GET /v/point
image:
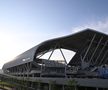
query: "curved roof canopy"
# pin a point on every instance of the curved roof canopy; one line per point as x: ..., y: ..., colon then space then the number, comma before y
x: 71, y: 42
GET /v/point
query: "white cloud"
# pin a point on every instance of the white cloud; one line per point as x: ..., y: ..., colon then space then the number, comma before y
x: 101, y: 26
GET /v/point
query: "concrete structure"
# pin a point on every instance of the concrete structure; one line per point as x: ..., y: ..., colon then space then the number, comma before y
x: 91, y: 49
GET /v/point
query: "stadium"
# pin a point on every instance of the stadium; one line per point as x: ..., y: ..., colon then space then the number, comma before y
x: 89, y: 65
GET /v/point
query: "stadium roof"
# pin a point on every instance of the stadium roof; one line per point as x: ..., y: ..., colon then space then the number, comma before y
x: 71, y: 42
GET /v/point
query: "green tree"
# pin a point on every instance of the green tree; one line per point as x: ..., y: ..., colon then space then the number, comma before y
x: 72, y: 84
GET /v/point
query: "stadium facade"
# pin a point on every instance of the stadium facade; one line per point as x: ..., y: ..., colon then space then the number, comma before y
x: 89, y: 66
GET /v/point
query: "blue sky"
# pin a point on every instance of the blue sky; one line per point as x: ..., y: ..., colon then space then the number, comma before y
x: 26, y: 23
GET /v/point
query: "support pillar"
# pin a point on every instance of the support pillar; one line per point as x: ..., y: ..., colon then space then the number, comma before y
x: 39, y: 86
x: 101, y: 51
x: 95, y: 50
x: 97, y: 88
x: 49, y: 86
x: 88, y: 48
x: 63, y: 88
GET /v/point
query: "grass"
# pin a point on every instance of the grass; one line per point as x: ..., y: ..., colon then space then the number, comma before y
x: 5, y: 84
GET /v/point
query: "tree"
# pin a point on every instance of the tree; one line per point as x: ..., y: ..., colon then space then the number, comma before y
x: 72, y: 84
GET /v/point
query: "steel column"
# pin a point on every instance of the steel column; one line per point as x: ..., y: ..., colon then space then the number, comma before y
x: 52, y: 52
x: 63, y: 87
x: 103, y: 57
x: 101, y: 51
x: 65, y: 61
x: 49, y: 86
x: 43, y: 53
x: 95, y: 49
x: 89, y: 47
x: 105, y: 61
x: 63, y: 56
